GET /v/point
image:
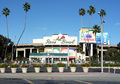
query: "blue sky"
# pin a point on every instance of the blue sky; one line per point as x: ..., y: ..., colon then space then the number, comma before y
x: 48, y: 17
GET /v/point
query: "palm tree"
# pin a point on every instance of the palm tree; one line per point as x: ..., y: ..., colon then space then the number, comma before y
x: 82, y: 13
x: 6, y: 12
x: 96, y: 29
x: 90, y: 12
x: 80, y: 50
x: 26, y: 9
x: 102, y: 13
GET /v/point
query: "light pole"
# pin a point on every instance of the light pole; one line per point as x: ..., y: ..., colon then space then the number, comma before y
x: 102, y: 45
x: 102, y: 14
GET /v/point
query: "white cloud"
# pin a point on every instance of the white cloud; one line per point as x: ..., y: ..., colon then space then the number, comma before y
x: 117, y: 24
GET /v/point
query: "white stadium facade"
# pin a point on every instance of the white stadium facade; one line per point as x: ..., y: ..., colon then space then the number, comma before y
x: 62, y: 47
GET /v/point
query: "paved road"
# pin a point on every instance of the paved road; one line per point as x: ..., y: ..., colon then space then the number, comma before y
x: 60, y: 78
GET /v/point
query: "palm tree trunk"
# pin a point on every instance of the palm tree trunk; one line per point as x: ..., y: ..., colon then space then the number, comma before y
x: 7, y: 37
x: 7, y: 28
x: 96, y: 48
x: 22, y: 31
x: 89, y: 20
x: 88, y: 49
x: 81, y: 20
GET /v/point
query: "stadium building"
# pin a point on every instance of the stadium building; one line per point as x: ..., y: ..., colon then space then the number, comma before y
x: 62, y: 47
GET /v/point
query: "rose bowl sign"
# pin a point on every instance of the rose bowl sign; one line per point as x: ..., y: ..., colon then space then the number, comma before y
x: 57, y: 39
x: 87, y: 35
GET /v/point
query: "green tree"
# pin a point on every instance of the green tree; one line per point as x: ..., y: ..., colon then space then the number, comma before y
x: 3, y: 43
x: 112, y: 54
x: 96, y: 29
x: 26, y: 9
x: 118, y: 45
x: 82, y: 13
x: 6, y: 12
x: 79, y: 49
x: 41, y: 48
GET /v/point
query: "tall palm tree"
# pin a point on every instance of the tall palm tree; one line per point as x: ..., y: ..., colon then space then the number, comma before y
x: 102, y: 13
x: 90, y: 12
x: 96, y: 29
x: 26, y: 9
x: 6, y: 12
x: 82, y: 13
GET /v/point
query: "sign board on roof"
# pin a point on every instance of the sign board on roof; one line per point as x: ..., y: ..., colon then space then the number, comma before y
x: 58, y: 39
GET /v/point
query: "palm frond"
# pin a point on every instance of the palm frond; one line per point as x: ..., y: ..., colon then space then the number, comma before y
x: 82, y: 11
x: 26, y: 7
x: 6, y: 11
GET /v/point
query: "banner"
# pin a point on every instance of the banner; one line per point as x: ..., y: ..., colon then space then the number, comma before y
x: 87, y: 35
x: 105, y: 38
x: 56, y: 50
x: 64, y: 50
x: 71, y: 51
x: 48, y: 50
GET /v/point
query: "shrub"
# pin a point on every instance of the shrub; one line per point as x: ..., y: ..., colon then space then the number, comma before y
x: 111, y: 65
x: 60, y: 64
x: 4, y: 65
x: 36, y: 65
x: 14, y: 65
x: 105, y: 65
x: 85, y: 65
x: 95, y: 65
x: 24, y: 65
x: 48, y: 65
x: 73, y: 65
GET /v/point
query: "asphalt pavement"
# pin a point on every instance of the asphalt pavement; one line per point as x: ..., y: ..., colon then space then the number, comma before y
x: 94, y: 76
x: 60, y: 78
